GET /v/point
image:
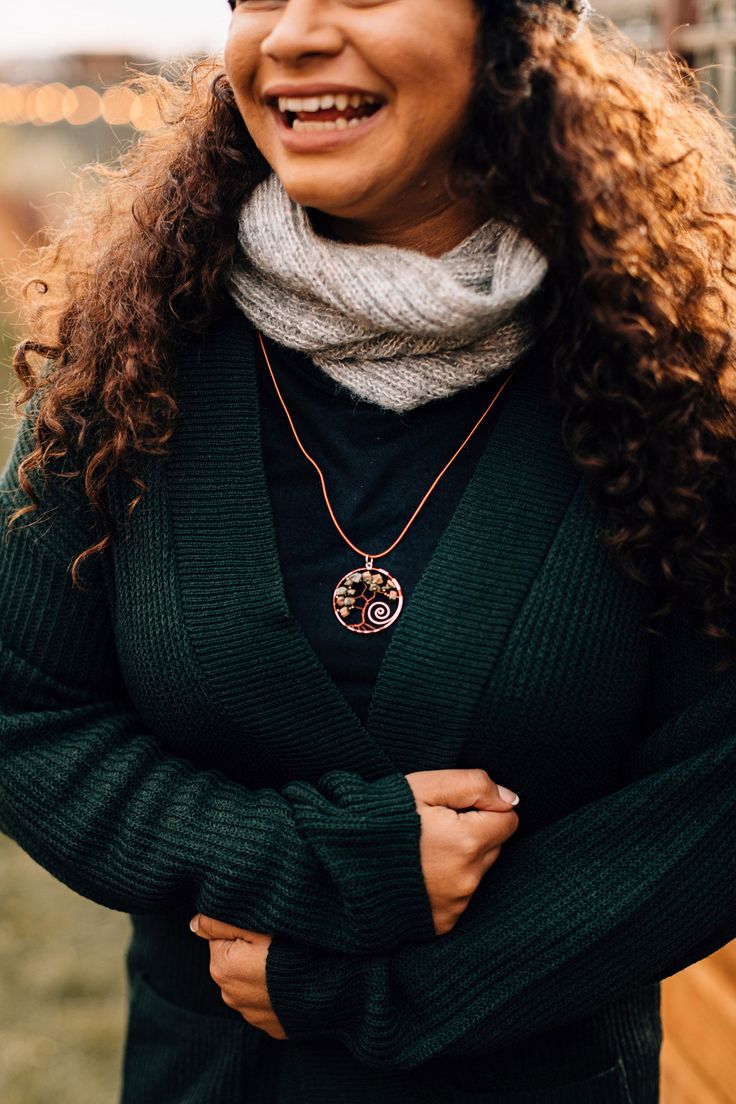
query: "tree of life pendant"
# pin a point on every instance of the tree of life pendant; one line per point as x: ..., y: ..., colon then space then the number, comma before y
x: 367, y: 600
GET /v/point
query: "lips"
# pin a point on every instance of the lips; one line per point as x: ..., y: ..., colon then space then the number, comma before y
x: 325, y: 110
x: 324, y: 129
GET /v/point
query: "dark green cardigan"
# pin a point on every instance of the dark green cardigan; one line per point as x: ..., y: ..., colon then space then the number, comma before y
x: 170, y: 743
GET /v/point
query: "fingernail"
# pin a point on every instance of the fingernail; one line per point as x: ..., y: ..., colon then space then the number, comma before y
x: 194, y: 924
x: 508, y: 795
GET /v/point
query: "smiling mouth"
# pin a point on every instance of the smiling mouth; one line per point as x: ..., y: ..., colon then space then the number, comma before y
x: 329, y: 111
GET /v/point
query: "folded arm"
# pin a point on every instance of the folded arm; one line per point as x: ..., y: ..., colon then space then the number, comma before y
x: 93, y: 797
x: 622, y: 892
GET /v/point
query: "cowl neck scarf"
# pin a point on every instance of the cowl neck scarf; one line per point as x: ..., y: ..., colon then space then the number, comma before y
x: 391, y: 325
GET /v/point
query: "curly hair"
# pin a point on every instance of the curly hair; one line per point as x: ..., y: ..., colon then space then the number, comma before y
x: 613, y: 163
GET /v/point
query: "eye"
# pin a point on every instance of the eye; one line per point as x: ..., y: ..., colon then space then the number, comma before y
x: 257, y: 5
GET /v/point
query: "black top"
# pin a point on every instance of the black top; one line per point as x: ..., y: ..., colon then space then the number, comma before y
x: 377, y: 465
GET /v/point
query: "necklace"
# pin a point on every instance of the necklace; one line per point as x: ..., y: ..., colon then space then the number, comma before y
x: 368, y: 599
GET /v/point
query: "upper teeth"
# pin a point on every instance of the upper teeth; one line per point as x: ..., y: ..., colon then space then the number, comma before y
x: 341, y: 101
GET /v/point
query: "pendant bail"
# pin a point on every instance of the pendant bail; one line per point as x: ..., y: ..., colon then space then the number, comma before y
x: 369, y: 562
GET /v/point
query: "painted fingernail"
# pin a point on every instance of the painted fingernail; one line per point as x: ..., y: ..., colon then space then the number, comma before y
x: 508, y: 795
x: 194, y: 924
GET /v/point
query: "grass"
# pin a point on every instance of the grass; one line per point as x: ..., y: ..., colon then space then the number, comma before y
x: 62, y: 989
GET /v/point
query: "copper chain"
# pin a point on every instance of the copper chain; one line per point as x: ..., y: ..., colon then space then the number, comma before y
x: 314, y: 463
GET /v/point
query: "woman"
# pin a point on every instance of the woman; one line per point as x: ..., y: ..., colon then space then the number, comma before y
x: 390, y: 236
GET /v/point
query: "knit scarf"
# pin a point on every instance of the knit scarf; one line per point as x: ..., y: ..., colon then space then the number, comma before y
x: 392, y: 326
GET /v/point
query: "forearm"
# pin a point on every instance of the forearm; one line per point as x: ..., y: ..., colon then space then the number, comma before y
x: 94, y: 800
x: 623, y: 892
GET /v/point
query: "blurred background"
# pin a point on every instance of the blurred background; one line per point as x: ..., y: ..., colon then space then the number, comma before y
x: 62, y: 994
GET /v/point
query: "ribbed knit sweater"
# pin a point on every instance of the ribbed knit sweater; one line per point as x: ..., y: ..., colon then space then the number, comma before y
x: 171, y: 743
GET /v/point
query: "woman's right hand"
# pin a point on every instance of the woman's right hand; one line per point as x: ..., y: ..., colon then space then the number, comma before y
x: 458, y: 847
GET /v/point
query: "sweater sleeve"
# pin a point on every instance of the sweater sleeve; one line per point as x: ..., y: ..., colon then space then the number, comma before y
x: 94, y: 798
x: 622, y: 892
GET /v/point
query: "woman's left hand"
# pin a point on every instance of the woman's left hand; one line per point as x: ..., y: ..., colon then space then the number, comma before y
x: 238, y: 966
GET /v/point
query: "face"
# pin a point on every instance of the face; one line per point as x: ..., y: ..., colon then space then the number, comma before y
x: 357, y: 105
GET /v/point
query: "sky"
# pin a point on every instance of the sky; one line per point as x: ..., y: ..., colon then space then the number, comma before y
x: 156, y: 28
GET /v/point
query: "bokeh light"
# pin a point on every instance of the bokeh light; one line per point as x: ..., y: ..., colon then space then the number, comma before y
x: 117, y: 105
x: 49, y: 104
x: 81, y: 105
x: 46, y: 104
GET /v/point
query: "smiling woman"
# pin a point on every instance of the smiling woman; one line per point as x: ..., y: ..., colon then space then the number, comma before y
x: 396, y: 56
x: 450, y: 286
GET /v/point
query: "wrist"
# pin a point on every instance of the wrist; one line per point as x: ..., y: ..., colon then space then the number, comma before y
x: 366, y: 835
x: 310, y: 990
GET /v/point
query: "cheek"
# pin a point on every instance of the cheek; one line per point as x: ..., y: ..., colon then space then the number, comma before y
x: 432, y: 88
x: 241, y: 57
x: 432, y: 125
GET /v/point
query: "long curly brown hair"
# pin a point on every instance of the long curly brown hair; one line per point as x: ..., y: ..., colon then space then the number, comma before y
x: 616, y: 167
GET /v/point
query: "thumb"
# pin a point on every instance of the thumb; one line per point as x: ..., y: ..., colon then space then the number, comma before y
x: 208, y: 928
x: 461, y: 788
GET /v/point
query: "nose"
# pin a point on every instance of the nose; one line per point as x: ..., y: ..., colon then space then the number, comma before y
x: 304, y: 29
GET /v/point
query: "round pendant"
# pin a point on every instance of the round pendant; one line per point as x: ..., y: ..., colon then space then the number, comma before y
x: 367, y: 600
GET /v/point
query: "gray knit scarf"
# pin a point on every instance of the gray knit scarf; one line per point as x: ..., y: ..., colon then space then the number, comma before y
x: 393, y: 326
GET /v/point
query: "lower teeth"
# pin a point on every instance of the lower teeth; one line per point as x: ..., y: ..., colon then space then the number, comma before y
x: 336, y: 124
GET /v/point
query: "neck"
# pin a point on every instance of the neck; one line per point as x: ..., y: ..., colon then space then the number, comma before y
x: 432, y: 233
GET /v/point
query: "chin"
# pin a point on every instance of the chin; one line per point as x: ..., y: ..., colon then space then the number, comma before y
x: 321, y: 191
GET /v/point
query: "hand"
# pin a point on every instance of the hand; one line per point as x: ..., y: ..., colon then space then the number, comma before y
x: 238, y: 967
x: 457, y: 848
